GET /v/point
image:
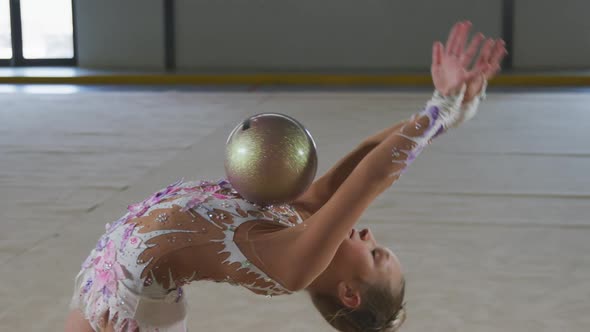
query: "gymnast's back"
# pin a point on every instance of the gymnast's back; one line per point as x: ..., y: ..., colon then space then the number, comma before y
x: 188, y: 231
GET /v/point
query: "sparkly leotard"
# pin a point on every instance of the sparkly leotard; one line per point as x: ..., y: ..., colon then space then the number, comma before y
x: 186, y: 232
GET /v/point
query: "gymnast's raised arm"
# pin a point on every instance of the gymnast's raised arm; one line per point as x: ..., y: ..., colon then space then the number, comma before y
x: 488, y: 62
x: 307, y: 249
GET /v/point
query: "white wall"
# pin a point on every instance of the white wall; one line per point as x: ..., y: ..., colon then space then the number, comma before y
x: 320, y: 34
x: 552, y: 34
x: 120, y: 33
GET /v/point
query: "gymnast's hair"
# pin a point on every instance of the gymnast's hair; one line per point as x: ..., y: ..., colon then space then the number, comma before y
x: 381, y: 310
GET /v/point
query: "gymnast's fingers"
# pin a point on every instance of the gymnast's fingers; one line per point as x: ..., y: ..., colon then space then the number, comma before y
x: 462, y: 38
x: 467, y: 57
x: 452, y: 40
x: 437, y: 52
x: 485, y: 53
x: 499, y: 52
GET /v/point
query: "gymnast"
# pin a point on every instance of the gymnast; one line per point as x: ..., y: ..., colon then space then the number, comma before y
x: 134, y: 279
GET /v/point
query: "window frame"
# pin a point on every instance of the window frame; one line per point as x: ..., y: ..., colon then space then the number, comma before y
x: 18, y: 60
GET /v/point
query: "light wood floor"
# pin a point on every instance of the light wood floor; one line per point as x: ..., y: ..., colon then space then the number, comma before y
x: 492, y: 222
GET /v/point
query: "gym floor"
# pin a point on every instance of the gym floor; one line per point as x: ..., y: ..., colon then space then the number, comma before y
x: 491, y: 222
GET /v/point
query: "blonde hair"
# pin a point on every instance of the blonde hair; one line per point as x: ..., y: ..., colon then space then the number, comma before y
x: 381, y: 310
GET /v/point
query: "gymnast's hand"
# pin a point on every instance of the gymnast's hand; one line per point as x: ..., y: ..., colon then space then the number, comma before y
x: 488, y: 63
x: 450, y: 63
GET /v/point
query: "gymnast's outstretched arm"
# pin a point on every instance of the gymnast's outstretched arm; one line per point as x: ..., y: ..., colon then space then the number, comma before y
x: 307, y: 249
x: 299, y: 254
x: 323, y: 188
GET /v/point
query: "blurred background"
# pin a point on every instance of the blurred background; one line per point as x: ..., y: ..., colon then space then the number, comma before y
x: 344, y: 36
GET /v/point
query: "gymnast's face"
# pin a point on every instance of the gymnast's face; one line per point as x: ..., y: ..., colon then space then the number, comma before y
x: 361, y: 258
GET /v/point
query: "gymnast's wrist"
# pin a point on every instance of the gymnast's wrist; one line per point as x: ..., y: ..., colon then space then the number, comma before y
x: 449, y: 92
x: 448, y: 101
x: 476, y: 97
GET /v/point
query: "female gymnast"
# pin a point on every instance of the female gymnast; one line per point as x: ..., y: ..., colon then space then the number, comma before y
x: 133, y: 280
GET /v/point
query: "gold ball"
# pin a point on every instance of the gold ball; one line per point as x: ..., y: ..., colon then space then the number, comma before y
x: 270, y: 158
